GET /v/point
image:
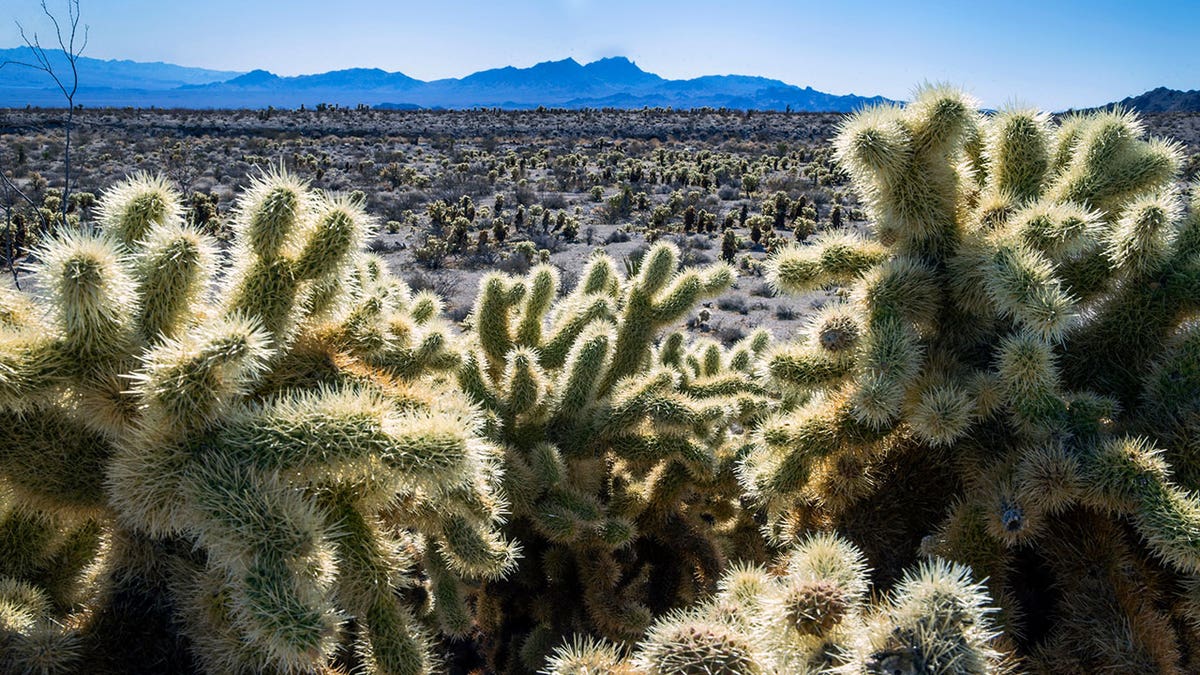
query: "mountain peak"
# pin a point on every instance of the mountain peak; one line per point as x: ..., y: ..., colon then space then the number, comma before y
x: 566, y: 64
x: 616, y: 60
x: 620, y: 70
x: 1161, y: 100
x: 613, y: 63
x: 254, y: 78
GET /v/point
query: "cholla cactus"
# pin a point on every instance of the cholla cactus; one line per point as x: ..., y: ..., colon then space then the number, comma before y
x: 280, y: 459
x: 813, y: 618
x: 268, y: 462
x: 618, y: 452
x: 1016, y: 352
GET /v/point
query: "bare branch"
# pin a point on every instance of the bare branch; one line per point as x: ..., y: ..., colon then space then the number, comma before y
x: 66, y: 44
x: 10, y: 62
x: 43, y: 61
x: 54, y: 20
x: 86, y: 34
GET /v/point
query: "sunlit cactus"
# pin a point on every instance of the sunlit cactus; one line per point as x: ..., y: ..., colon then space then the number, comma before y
x: 998, y: 359
x: 813, y: 615
x: 979, y: 454
x: 618, y: 449
x: 588, y: 657
x: 131, y: 208
x: 30, y: 641
x: 264, y: 461
x: 287, y: 237
x: 177, y: 263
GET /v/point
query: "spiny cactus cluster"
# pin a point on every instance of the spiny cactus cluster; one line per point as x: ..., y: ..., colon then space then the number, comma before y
x: 618, y: 460
x: 811, y: 617
x: 274, y: 457
x: 1017, y: 351
x: 254, y: 454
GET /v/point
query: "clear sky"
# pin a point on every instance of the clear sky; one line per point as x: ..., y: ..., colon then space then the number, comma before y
x: 1053, y: 54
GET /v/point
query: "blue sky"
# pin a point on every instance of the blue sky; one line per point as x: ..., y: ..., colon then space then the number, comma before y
x: 1052, y: 54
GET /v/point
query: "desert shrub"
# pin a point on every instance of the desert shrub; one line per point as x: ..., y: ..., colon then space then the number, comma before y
x: 441, y: 285
x: 691, y: 257
x: 409, y: 200
x: 617, y: 236
x: 379, y: 245
x: 728, y: 333
x: 548, y: 242
x: 762, y: 290
x: 554, y: 200
x: 732, y: 303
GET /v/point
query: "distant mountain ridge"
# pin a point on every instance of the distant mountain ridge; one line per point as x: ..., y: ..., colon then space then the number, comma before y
x: 97, y: 73
x: 613, y: 82
x: 1161, y: 100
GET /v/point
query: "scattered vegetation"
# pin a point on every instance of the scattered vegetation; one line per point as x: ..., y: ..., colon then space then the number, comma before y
x: 234, y: 440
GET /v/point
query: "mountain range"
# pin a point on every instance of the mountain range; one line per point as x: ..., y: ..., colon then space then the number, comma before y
x: 613, y: 82
x: 1162, y: 100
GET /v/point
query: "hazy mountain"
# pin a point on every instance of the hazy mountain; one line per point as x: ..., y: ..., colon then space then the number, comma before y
x: 1162, y: 100
x: 354, y: 79
x: 96, y: 73
x: 610, y: 82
